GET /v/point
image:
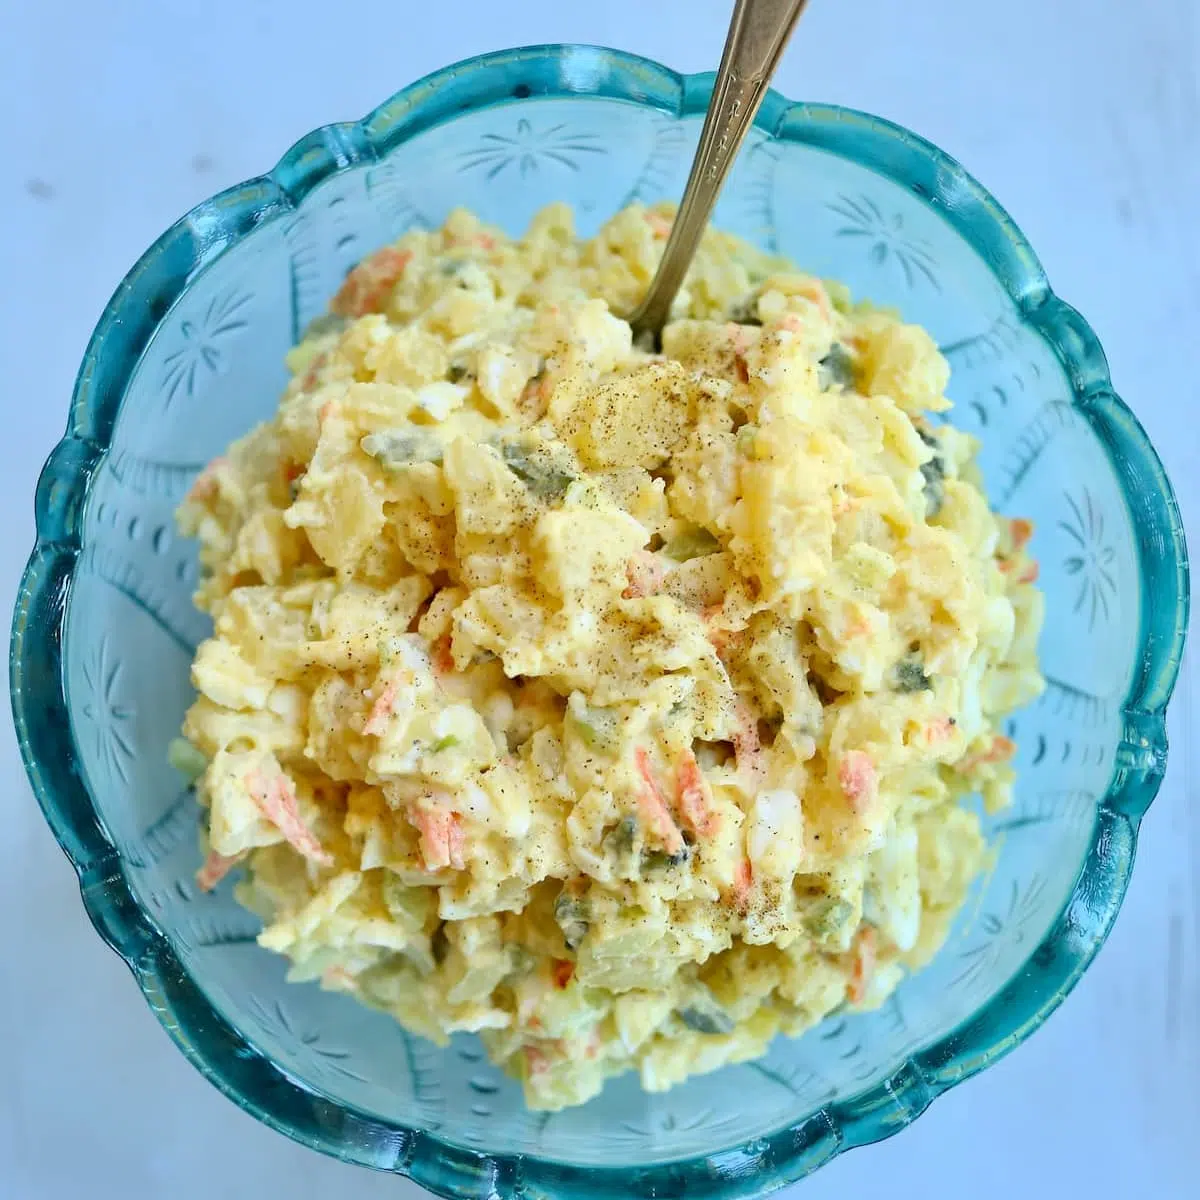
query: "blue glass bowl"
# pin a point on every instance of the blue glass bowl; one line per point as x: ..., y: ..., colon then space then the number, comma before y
x: 189, y: 353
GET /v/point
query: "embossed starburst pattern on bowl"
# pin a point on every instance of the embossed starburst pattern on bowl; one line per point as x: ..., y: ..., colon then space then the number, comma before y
x: 529, y: 147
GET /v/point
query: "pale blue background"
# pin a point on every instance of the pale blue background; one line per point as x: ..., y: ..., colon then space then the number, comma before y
x: 1083, y: 117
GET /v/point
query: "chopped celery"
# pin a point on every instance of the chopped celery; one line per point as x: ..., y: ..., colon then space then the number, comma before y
x: 911, y: 677
x: 571, y: 913
x: 543, y: 479
x: 836, y: 369
x: 693, y: 543
x: 401, y: 448
x: 705, y: 1017
x: 186, y: 759
x: 934, y: 472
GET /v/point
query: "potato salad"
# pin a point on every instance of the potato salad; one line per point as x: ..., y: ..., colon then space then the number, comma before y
x: 618, y: 707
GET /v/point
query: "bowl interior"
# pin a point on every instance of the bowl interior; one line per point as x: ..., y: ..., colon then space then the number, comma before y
x: 215, y: 366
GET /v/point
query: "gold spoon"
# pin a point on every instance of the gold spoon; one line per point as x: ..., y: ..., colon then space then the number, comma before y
x: 758, y: 32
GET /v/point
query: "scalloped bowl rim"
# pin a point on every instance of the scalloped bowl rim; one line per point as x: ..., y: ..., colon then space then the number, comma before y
x: 204, y: 1036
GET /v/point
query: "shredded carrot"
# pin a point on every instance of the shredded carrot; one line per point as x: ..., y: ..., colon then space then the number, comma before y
x: 456, y: 842
x: 645, y: 574
x: 859, y: 627
x: 1000, y: 750
x: 485, y: 241
x: 724, y: 640
x: 442, y: 839
x: 815, y: 291
x: 740, y: 339
x: 536, y: 394
x: 337, y: 977
x: 743, y: 881
x: 443, y: 658
x: 1021, y: 531
x: 381, y: 710
x: 747, y: 749
x: 276, y: 800
x: 216, y: 867
x: 939, y: 730
x: 864, y: 965
x: 659, y: 224
x: 310, y: 376
x: 205, y: 485
x: 654, y: 808
x: 367, y: 287
x: 693, y: 798
x: 858, y: 779
x: 562, y: 971
x: 538, y: 1061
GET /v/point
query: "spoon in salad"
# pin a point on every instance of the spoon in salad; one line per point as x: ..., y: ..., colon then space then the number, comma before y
x: 758, y: 32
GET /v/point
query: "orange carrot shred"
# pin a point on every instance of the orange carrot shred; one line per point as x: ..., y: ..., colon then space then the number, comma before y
x: 276, y: 800
x: 693, y: 799
x: 367, y: 287
x: 654, y: 808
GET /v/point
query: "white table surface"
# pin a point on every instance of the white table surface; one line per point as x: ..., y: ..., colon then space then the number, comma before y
x: 1082, y: 116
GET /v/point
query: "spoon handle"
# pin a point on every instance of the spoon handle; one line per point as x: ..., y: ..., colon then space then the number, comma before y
x: 758, y: 32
